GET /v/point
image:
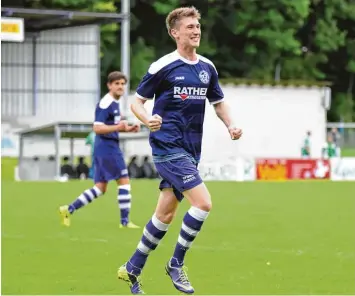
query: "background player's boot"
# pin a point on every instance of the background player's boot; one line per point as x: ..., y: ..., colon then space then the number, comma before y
x: 129, y: 225
x: 179, y: 277
x: 64, y: 215
x: 134, y: 282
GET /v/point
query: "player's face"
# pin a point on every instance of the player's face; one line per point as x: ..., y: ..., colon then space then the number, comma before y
x: 117, y: 88
x: 188, y: 33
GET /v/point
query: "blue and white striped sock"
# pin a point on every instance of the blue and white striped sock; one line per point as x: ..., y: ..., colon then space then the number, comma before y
x: 191, y: 226
x: 85, y: 198
x: 153, y: 233
x: 124, y: 202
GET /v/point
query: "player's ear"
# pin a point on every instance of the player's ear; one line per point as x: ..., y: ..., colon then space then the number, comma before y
x: 174, y: 33
x: 108, y: 85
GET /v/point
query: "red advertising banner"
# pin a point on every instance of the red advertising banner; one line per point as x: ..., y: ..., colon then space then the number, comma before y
x: 292, y: 169
x: 308, y: 169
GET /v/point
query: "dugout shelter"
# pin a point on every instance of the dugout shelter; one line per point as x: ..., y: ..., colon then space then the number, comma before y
x: 44, y: 169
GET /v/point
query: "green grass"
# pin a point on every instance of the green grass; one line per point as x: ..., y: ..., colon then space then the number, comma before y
x: 348, y: 152
x: 304, y: 229
x: 8, y: 165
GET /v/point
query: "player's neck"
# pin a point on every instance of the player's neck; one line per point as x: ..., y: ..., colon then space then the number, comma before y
x: 187, y: 53
x: 113, y: 96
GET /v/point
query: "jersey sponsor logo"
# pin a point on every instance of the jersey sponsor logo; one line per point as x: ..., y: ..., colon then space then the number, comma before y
x: 204, y: 77
x: 180, y: 78
x: 190, y: 92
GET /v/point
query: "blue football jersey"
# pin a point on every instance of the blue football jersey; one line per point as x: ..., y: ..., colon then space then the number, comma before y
x: 107, y: 112
x: 180, y: 88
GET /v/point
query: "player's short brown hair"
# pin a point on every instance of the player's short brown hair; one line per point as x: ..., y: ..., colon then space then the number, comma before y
x: 177, y: 14
x: 116, y: 75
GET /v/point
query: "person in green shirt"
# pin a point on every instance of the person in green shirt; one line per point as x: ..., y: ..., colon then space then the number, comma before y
x: 90, y: 140
x: 306, y: 148
x: 330, y: 149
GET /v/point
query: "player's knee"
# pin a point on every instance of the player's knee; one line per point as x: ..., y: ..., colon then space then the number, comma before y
x: 205, y: 206
x: 101, y: 187
x: 103, y: 190
x: 165, y: 217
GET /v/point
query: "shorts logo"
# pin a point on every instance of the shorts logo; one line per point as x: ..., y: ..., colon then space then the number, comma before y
x: 204, y: 77
x: 188, y: 178
x: 124, y: 172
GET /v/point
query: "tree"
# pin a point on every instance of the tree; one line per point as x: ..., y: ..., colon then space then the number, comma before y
x: 310, y: 40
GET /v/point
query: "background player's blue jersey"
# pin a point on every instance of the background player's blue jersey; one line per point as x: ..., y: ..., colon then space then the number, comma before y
x: 107, y: 112
x: 180, y: 88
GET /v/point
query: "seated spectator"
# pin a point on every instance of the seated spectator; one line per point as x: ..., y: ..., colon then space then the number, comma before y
x: 82, y: 169
x: 134, y: 170
x: 147, y: 169
x: 67, y: 169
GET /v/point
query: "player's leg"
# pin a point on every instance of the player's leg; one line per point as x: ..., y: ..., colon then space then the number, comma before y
x: 102, y: 175
x: 124, y: 202
x: 88, y: 196
x: 201, y: 205
x: 196, y: 192
x: 153, y: 233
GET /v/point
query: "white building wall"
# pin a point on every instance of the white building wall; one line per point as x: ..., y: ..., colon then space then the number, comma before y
x: 274, y: 122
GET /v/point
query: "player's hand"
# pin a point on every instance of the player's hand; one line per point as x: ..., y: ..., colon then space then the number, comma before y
x: 235, y: 133
x: 155, y: 122
x: 122, y: 126
x: 133, y: 128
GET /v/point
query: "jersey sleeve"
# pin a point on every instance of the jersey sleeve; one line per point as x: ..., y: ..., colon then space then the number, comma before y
x: 150, y: 83
x: 214, y: 93
x: 101, y: 115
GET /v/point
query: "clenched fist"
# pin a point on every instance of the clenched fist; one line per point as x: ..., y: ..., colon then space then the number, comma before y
x: 155, y: 122
x: 235, y: 133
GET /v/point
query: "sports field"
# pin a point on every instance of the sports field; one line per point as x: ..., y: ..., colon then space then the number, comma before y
x: 261, y: 238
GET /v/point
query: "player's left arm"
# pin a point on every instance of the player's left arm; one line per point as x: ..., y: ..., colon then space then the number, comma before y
x: 223, y: 113
x: 216, y: 98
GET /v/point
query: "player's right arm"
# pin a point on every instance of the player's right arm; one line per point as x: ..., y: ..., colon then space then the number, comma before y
x: 102, y: 114
x: 102, y: 129
x: 146, y: 91
x: 152, y: 122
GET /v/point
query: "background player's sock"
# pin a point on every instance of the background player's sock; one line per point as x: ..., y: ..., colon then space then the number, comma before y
x: 124, y: 202
x: 191, y: 225
x: 153, y: 232
x: 85, y: 198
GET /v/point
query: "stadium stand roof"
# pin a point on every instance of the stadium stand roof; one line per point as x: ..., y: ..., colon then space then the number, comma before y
x: 72, y: 130
x: 47, y: 19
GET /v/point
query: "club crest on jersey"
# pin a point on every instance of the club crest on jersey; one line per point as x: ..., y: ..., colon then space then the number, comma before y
x: 190, y: 92
x: 204, y: 77
x: 117, y: 119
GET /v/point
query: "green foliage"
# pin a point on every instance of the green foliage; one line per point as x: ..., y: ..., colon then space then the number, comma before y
x: 286, y: 83
x: 311, y: 40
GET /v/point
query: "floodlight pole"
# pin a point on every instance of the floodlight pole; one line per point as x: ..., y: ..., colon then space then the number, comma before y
x: 125, y: 47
